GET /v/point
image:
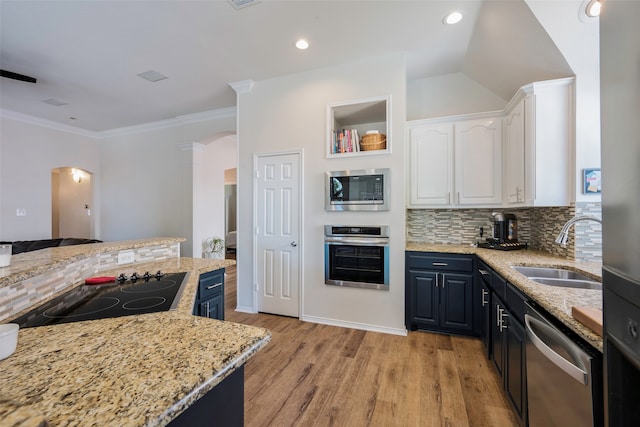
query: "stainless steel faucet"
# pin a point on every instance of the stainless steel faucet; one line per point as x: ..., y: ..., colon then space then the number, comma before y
x: 563, y: 237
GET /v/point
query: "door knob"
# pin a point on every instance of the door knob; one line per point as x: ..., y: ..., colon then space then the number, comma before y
x: 294, y: 243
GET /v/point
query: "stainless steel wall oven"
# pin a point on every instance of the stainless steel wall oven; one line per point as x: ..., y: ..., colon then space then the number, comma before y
x: 356, y: 256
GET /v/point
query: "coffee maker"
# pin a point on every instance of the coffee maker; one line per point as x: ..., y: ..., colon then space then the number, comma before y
x: 505, y: 228
x: 505, y: 233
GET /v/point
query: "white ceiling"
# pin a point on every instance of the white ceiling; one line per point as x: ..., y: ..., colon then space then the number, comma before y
x: 88, y: 53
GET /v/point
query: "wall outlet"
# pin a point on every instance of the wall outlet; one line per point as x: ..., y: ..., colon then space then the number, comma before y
x: 126, y: 257
x: 21, y: 212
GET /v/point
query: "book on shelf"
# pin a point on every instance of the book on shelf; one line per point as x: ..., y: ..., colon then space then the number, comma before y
x: 345, y: 141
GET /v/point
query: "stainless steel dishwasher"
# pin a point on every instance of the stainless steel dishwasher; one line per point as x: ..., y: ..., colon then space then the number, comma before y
x: 564, y: 381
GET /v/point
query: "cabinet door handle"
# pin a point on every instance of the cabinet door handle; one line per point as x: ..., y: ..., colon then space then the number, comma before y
x: 449, y: 198
x: 484, y: 294
x: 458, y: 202
x: 503, y: 325
x: 214, y: 286
x: 498, y: 320
x: 437, y: 274
x: 207, y: 309
x: 439, y: 264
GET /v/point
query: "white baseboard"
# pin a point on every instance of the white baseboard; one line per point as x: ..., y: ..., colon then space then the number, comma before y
x: 243, y: 309
x: 354, y: 325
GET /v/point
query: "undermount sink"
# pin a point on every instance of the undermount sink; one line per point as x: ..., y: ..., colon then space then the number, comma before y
x: 558, y: 277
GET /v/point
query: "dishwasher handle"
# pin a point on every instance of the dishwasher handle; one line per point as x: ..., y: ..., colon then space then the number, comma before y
x: 574, y: 371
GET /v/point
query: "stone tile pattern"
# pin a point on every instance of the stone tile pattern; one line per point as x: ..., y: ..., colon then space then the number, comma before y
x: 538, y: 226
x: 548, y: 222
x: 22, y: 294
x: 459, y: 226
x: 588, y: 234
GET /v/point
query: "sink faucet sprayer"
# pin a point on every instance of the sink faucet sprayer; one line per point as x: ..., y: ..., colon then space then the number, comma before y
x: 564, y: 233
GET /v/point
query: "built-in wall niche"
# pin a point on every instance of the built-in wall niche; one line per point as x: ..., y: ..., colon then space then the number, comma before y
x: 359, y: 127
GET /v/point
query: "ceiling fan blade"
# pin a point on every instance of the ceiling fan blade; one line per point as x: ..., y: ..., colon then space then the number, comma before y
x: 16, y: 76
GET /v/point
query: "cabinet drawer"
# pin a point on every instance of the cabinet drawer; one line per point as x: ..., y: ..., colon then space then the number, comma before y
x: 439, y: 262
x: 211, y: 284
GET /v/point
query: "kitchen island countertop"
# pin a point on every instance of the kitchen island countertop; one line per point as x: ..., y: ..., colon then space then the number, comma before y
x: 126, y: 371
x: 556, y: 300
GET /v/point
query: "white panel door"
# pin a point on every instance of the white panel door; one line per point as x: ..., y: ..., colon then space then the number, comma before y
x: 277, y: 234
x: 431, y: 165
x: 478, y: 152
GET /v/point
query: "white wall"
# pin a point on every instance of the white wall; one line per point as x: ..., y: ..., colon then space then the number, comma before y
x: 208, y: 189
x: 579, y: 42
x: 289, y: 113
x: 148, y: 180
x: 449, y: 95
x: 28, y: 153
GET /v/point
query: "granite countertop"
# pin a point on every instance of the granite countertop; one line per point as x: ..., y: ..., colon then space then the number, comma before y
x: 556, y: 300
x: 132, y: 370
x: 30, y: 264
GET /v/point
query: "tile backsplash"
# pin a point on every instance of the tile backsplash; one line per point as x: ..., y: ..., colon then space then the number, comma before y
x: 537, y: 226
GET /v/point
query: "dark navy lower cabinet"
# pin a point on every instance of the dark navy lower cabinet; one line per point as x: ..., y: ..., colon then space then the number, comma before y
x: 508, y: 343
x: 210, y: 295
x: 439, y: 292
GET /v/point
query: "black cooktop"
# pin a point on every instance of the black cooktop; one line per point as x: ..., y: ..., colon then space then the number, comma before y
x: 115, y: 299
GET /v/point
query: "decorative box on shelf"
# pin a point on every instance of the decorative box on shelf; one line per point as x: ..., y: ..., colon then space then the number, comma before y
x: 358, y: 127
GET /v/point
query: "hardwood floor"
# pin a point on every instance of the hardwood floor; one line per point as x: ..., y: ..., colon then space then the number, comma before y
x: 317, y: 375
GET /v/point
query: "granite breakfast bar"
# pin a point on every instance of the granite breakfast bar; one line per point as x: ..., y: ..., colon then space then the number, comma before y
x: 142, y: 370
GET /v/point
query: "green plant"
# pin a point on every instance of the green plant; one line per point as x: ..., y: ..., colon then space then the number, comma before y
x: 213, y: 245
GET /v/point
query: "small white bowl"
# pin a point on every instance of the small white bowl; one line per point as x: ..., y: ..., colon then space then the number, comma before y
x: 8, y: 339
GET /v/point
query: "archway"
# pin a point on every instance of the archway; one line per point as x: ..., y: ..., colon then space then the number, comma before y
x: 71, y: 203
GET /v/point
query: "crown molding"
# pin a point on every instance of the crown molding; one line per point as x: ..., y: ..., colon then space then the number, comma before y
x: 31, y: 120
x: 242, y: 86
x: 221, y: 113
x: 169, y: 123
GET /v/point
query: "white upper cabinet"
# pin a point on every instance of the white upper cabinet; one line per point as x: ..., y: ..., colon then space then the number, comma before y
x: 478, y: 161
x: 520, y: 157
x: 431, y: 164
x: 455, y: 163
x: 514, y: 155
x: 549, y: 143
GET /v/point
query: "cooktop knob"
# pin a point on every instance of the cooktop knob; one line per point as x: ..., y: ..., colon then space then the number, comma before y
x: 159, y: 274
x: 146, y: 276
x: 122, y: 278
x: 134, y: 277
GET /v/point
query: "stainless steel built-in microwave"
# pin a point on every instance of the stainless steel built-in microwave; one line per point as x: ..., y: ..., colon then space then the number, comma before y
x: 357, y: 190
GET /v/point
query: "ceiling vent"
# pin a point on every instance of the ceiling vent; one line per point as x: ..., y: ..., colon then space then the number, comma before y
x: 240, y: 4
x: 55, y: 102
x: 152, y: 76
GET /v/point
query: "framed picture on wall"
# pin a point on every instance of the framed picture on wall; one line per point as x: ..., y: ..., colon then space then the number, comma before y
x: 592, y: 182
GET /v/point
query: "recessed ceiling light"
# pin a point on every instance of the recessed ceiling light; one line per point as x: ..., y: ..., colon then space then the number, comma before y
x: 593, y: 8
x: 452, y: 18
x: 152, y: 76
x: 302, y: 44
